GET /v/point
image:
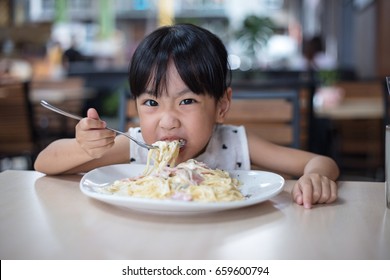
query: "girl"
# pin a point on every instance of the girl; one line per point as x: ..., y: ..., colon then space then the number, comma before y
x: 180, y: 79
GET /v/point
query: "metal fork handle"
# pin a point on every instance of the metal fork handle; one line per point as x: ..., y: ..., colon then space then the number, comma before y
x: 67, y: 114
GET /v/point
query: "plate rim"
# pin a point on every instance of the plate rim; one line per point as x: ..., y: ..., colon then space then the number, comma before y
x: 192, y: 207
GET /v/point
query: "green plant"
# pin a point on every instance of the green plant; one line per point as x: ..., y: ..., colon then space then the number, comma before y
x: 254, y: 33
x: 328, y: 77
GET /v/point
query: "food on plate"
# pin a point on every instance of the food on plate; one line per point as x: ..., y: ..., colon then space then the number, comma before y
x: 188, y: 181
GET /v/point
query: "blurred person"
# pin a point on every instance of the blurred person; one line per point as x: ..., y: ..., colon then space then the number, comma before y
x: 71, y: 55
x: 315, y: 55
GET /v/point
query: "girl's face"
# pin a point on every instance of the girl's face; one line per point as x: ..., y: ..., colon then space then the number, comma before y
x: 180, y: 114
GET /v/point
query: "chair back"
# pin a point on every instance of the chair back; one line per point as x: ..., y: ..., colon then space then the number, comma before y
x: 16, y: 121
x: 69, y: 94
x: 358, y: 134
x: 273, y: 114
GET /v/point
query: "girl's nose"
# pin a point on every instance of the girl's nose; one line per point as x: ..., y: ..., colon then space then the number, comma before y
x: 169, y: 121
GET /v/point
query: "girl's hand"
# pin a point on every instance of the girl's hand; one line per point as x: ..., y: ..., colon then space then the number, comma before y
x: 314, y: 188
x: 92, y: 136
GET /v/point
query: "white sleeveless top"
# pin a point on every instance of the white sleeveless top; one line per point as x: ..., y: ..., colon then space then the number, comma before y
x: 226, y: 150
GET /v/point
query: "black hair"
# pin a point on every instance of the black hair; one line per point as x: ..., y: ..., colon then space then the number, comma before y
x: 199, y: 56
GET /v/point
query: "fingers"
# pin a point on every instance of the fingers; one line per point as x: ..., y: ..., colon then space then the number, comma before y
x: 314, y: 188
x: 333, y: 192
x: 303, y: 192
x: 92, y: 121
x: 326, y: 188
x: 297, y: 194
x: 91, y: 139
x: 93, y: 114
x: 92, y: 135
x: 97, y: 148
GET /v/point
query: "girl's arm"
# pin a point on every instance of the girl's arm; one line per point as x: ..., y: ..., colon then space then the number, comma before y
x: 317, y: 174
x: 93, y: 146
x: 65, y: 156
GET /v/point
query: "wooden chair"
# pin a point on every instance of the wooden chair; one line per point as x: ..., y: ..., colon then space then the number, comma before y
x: 16, y: 122
x: 359, y: 138
x: 68, y: 94
x: 273, y: 114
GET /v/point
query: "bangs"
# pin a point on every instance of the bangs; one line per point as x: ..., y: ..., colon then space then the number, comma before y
x: 199, y: 57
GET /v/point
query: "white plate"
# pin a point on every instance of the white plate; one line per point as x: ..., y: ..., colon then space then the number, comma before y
x: 258, y: 185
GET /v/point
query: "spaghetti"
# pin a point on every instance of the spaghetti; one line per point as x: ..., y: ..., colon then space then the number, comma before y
x: 188, y: 181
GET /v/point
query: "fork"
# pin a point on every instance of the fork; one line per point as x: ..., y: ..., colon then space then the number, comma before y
x: 67, y: 114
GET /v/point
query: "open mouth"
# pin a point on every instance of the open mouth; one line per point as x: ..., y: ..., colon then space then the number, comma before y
x: 182, y: 142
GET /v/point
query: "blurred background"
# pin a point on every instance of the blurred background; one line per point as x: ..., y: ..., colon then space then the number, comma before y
x: 75, y: 54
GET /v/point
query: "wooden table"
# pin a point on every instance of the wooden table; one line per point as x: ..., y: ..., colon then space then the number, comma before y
x: 44, y: 217
x: 352, y: 109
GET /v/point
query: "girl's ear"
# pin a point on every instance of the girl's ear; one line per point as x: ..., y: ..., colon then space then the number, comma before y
x: 223, y: 105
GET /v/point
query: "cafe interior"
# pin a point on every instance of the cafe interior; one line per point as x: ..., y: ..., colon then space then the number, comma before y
x: 310, y: 74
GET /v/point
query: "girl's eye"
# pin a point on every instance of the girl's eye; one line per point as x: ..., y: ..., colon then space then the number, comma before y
x: 150, y: 102
x: 187, y: 101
